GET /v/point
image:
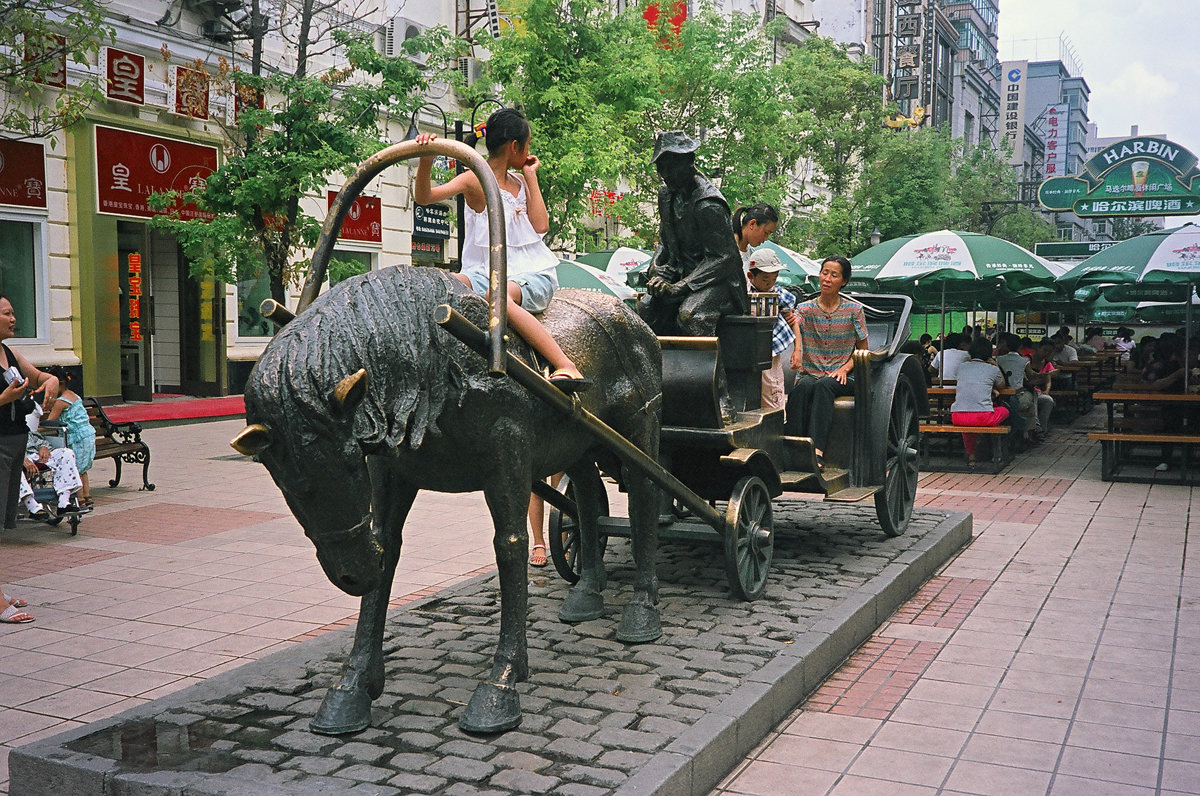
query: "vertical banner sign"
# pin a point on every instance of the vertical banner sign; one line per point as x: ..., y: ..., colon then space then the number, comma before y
x: 1013, y: 114
x: 189, y: 93
x: 131, y: 166
x: 1055, y: 135
x: 908, y: 58
x: 135, y: 297
x: 125, y: 75
x: 22, y: 174
x: 52, y: 52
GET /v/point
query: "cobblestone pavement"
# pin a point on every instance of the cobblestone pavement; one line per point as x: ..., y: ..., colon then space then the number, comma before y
x: 596, y: 711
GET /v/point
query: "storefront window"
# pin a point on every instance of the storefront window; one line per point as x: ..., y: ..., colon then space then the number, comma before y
x: 251, y: 293
x: 19, y: 244
x: 344, y: 264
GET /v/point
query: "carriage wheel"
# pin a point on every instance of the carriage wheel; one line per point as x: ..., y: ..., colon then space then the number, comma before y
x: 563, y: 531
x: 749, y: 538
x: 894, y: 502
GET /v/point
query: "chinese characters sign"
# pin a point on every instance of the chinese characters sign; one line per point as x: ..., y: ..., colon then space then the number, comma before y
x: 135, y: 297
x: 1013, y: 108
x: 911, y: 52
x: 125, y: 75
x: 1055, y: 135
x: 189, y: 92
x: 22, y: 174
x: 1137, y: 176
x: 131, y: 166
x: 48, y: 60
x: 363, y: 221
x: 431, y: 221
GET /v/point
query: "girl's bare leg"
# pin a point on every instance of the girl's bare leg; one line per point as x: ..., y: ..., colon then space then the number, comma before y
x: 529, y: 327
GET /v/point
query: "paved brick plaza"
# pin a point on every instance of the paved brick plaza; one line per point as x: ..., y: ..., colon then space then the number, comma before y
x: 1054, y: 653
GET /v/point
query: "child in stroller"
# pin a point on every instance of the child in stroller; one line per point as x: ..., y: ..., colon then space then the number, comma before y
x: 47, y: 451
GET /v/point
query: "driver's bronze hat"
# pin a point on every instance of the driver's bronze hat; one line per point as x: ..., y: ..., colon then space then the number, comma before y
x: 675, y: 141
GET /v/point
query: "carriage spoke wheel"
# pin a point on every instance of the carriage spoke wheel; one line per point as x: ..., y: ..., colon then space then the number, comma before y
x: 749, y: 538
x: 894, y: 502
x: 563, y: 534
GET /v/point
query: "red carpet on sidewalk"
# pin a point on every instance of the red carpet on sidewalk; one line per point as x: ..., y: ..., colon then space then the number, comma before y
x: 178, y: 409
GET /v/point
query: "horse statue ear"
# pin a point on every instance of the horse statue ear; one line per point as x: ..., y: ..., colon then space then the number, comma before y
x: 252, y: 439
x: 349, y: 392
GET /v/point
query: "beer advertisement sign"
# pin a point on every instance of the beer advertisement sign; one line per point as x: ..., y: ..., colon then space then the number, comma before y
x: 1140, y: 176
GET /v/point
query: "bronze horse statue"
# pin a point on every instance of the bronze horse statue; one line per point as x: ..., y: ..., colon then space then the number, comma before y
x: 362, y: 400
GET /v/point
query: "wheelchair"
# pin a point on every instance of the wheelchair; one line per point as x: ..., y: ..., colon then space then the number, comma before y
x: 42, y: 482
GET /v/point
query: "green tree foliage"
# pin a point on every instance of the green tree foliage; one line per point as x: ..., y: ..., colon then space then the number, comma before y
x: 309, y: 129
x: 980, y: 194
x: 39, y: 37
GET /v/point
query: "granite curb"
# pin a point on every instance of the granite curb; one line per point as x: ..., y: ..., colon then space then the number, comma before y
x: 754, y: 667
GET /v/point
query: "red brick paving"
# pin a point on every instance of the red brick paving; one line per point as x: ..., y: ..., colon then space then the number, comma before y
x: 27, y: 559
x: 169, y: 523
x: 942, y: 602
x: 876, y: 677
x: 991, y: 509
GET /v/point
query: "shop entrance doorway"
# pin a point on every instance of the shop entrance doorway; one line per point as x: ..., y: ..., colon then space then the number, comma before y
x: 171, y: 323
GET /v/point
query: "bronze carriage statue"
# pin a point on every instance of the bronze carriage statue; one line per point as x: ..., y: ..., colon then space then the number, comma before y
x: 399, y: 380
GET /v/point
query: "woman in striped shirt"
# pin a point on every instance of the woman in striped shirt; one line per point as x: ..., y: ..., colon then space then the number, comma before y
x: 830, y: 329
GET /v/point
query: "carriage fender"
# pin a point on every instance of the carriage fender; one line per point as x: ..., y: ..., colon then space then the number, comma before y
x: 754, y: 461
x: 883, y: 387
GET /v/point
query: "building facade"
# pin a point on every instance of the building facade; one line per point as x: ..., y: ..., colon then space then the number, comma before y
x: 975, y: 112
x: 100, y: 291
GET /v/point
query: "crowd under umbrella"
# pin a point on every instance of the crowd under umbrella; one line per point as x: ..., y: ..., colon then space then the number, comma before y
x: 616, y: 262
x: 969, y: 266
x: 1161, y: 257
x: 572, y: 273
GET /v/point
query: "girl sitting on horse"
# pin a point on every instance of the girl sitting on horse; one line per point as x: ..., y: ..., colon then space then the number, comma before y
x: 531, y: 264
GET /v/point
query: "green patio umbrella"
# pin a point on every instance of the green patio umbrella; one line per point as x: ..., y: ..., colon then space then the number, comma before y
x: 1162, y: 256
x: 615, y: 262
x: 585, y: 277
x: 799, y: 271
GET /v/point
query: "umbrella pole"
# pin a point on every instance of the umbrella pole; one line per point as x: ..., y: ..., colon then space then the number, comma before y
x: 1187, y: 338
x: 942, y: 345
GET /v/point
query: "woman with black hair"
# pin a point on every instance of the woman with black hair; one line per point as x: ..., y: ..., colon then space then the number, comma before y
x: 532, y: 277
x: 21, y: 381
x: 979, y: 384
x: 752, y: 226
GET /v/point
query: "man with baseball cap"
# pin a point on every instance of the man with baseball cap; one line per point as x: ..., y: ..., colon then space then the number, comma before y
x: 696, y: 276
x: 763, y: 273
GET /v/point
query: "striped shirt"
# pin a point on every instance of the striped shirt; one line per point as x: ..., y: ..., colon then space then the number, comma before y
x: 828, y: 338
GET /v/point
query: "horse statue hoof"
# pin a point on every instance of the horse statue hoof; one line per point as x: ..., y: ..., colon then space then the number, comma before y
x: 639, y: 624
x: 493, y: 708
x: 581, y: 606
x: 344, y: 710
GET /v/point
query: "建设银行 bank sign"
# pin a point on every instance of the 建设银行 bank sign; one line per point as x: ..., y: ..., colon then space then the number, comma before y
x: 1139, y: 176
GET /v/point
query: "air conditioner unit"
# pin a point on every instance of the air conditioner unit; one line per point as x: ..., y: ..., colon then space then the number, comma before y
x: 471, y: 69
x: 400, y: 30
x: 216, y: 30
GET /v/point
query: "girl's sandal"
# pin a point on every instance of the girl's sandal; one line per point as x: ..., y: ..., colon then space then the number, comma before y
x: 537, y: 556
x: 13, y: 616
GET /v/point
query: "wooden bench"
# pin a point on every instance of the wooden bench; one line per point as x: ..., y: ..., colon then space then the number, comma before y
x: 1001, y: 450
x: 121, y: 442
x: 1116, y: 450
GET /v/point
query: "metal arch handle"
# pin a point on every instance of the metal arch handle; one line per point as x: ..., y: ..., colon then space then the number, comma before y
x: 498, y: 250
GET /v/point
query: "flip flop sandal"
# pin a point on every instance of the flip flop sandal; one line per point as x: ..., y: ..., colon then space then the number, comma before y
x: 541, y: 563
x: 563, y: 380
x: 17, y: 603
x: 12, y: 616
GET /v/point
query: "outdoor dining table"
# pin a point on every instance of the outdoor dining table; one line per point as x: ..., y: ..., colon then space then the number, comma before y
x: 1140, y: 422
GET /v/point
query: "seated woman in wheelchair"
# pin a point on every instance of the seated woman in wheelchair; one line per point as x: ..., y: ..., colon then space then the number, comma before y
x: 54, y: 455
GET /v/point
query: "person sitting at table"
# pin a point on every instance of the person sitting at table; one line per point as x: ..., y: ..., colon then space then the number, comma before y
x: 1038, y: 375
x: 1023, y: 403
x: 1165, y: 371
x: 944, y: 366
x: 1123, y: 342
x: 1063, y: 353
x: 979, y: 384
x: 1143, y: 353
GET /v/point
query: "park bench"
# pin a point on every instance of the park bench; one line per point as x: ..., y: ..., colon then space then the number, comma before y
x: 937, y: 425
x: 121, y: 442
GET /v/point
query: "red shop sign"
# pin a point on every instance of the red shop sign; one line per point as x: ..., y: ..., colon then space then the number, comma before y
x: 131, y: 166
x: 125, y: 76
x: 364, y: 220
x: 22, y: 174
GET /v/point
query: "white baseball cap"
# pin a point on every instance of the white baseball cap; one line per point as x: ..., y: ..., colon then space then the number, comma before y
x: 765, y: 260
